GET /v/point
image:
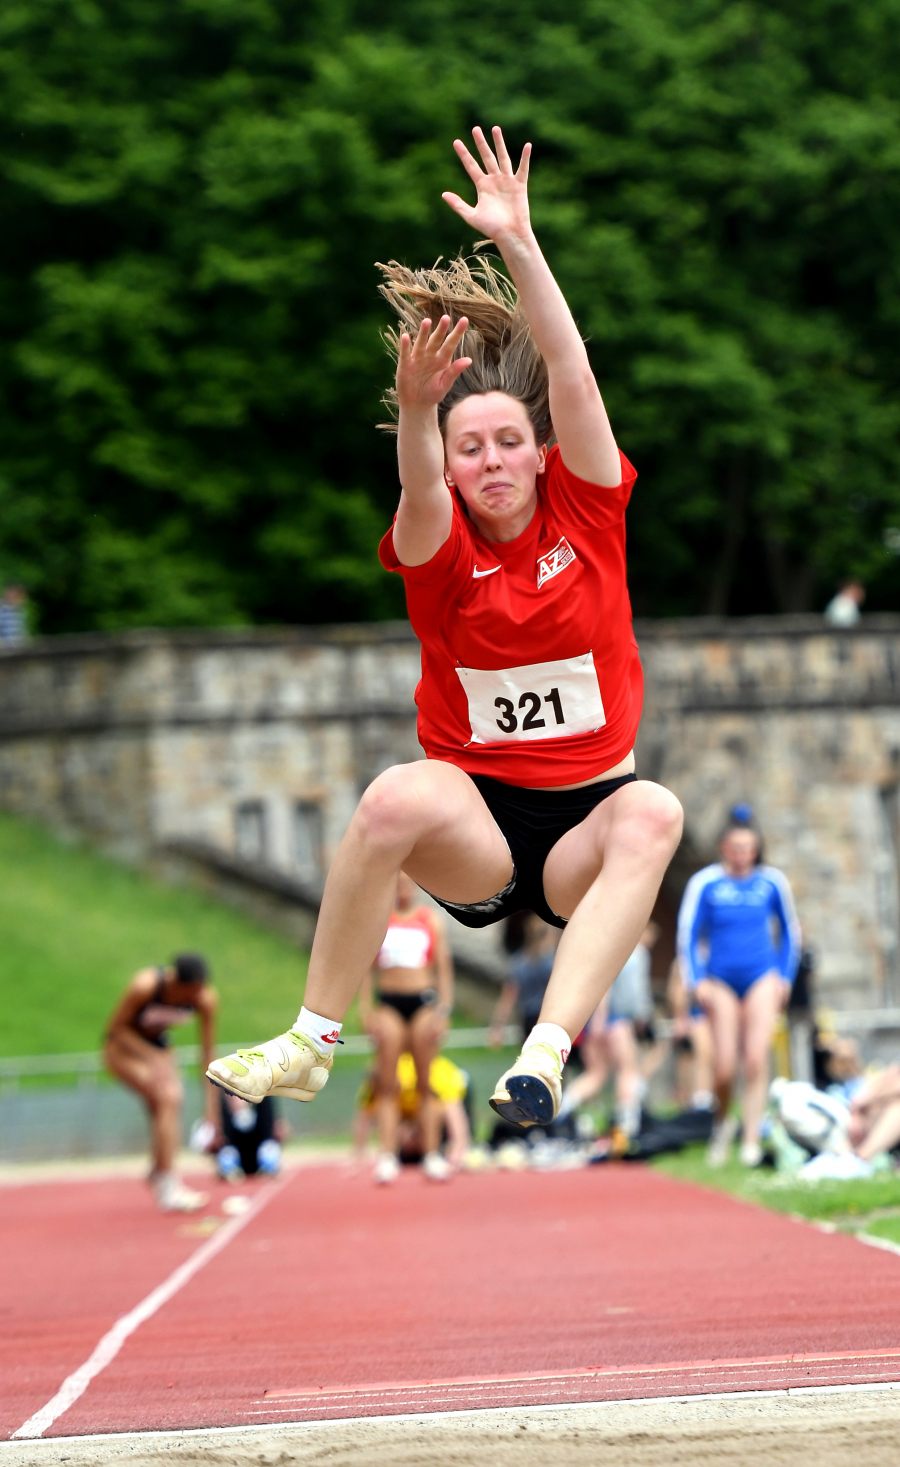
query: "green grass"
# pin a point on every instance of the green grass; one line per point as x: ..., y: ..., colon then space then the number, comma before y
x: 857, y: 1206
x: 74, y: 926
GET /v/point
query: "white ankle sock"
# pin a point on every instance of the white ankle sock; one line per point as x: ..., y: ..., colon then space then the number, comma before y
x: 552, y: 1034
x: 323, y: 1032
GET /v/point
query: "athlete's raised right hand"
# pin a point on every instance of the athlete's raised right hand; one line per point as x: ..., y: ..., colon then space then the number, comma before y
x: 425, y: 367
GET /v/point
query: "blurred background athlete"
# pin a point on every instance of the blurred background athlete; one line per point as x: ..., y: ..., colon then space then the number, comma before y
x: 137, y: 1052
x: 510, y: 538
x: 408, y: 1016
x: 739, y: 945
x: 532, y: 945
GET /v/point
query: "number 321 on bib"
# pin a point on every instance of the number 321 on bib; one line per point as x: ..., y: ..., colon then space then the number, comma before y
x: 543, y: 700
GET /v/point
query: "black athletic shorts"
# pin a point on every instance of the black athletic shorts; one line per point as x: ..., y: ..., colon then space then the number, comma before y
x: 408, y: 1004
x: 531, y: 822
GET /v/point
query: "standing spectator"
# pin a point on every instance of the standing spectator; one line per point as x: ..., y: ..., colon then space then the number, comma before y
x: 13, y: 615
x: 410, y: 1013
x: 741, y: 974
x: 532, y: 944
x: 609, y: 1041
x: 843, y: 610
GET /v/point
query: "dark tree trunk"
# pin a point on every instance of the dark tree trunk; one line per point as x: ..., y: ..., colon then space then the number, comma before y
x: 732, y: 534
x: 793, y: 584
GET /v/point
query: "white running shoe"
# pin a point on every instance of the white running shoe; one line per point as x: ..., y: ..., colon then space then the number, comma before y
x: 290, y: 1065
x: 436, y: 1167
x: 173, y: 1196
x: 834, y: 1166
x: 751, y: 1153
x: 530, y: 1092
x: 386, y: 1169
x: 719, y: 1149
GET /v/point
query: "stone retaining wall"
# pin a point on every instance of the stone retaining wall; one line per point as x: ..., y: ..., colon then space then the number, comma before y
x: 258, y: 743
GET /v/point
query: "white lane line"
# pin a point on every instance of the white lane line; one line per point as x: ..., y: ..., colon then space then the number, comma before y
x: 109, y: 1346
x: 872, y: 1240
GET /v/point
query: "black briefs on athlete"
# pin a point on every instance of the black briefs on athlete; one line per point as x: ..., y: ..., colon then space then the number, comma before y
x: 408, y: 1004
x: 531, y: 822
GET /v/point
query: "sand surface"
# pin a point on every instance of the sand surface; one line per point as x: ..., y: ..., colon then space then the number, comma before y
x: 856, y: 1427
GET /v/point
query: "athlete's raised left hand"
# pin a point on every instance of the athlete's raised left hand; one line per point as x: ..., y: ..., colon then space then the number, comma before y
x: 501, y: 211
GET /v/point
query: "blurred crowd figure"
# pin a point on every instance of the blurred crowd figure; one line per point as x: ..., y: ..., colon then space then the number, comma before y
x: 740, y: 963
x: 137, y: 1052
x: 843, y: 1127
x: 405, y: 1005
x: 608, y: 1045
x: 739, y: 945
x: 531, y: 944
x: 14, y: 615
x: 450, y: 1102
x: 845, y: 607
x: 251, y: 1139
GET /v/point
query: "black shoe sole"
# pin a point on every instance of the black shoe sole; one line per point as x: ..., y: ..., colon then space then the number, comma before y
x: 530, y: 1101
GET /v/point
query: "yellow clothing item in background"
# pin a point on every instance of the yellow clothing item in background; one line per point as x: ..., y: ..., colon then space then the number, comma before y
x: 445, y: 1079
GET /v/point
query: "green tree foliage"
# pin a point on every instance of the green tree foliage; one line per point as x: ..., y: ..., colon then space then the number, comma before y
x: 194, y: 196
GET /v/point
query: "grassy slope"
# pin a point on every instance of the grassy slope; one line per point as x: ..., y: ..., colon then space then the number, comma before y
x: 74, y: 926
x: 870, y: 1206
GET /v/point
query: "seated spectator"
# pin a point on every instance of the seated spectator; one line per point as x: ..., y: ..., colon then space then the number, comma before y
x: 450, y: 1089
x: 873, y: 1130
x: 252, y: 1137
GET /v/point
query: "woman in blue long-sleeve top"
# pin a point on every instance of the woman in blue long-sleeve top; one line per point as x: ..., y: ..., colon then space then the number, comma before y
x: 739, y: 945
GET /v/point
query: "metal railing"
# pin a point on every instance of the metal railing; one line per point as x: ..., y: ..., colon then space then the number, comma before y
x: 86, y: 1068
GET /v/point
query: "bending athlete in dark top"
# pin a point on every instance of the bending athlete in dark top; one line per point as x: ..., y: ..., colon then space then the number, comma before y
x: 137, y: 1053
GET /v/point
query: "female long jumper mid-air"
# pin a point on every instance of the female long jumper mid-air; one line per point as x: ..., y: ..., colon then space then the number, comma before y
x: 513, y: 555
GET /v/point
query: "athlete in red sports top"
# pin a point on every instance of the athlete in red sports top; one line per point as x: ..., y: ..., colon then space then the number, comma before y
x: 556, y: 592
x: 512, y: 549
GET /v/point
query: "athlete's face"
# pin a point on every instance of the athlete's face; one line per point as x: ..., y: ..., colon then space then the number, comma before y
x: 493, y: 459
x: 739, y: 850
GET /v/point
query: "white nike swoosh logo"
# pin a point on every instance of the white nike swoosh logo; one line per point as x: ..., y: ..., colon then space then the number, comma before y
x: 477, y: 574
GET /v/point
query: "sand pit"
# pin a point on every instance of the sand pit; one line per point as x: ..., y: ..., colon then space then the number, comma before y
x: 846, y: 1427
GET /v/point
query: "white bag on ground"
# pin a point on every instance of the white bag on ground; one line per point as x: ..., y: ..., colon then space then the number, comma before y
x: 815, y: 1119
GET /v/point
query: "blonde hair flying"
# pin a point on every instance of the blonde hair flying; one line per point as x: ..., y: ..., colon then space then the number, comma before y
x: 497, y: 338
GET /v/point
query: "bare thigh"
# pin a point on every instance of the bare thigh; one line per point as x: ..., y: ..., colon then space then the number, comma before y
x: 622, y: 1045
x: 389, y: 1031
x: 723, y: 1009
x: 424, y: 1039
x: 458, y: 851
x: 761, y: 1007
x: 632, y: 816
x: 143, y: 1067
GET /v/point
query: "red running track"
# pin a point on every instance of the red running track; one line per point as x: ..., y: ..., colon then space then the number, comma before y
x: 339, y: 1299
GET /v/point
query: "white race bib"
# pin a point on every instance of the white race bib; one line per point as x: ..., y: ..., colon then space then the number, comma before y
x: 544, y: 700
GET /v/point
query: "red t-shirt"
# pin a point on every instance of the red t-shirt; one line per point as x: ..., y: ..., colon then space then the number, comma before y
x: 530, y: 669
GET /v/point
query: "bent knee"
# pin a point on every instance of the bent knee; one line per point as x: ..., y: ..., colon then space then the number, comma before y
x: 755, y: 1062
x: 397, y: 808
x: 653, y: 820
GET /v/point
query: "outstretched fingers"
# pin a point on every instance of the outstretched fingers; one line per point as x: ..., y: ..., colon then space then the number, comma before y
x: 487, y: 154
x: 503, y: 157
x: 468, y: 162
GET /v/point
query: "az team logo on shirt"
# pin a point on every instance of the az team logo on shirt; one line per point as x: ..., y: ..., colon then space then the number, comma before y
x: 554, y: 561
